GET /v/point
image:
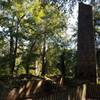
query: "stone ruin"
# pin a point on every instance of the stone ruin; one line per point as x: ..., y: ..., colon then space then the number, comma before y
x: 86, y: 55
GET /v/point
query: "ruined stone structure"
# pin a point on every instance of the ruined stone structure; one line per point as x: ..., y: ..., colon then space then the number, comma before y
x: 86, y: 58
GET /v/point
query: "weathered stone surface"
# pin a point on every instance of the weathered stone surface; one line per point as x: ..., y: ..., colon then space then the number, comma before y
x: 86, y: 66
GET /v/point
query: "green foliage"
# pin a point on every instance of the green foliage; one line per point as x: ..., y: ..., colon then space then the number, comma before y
x: 24, y: 26
x: 35, y: 30
x: 97, y: 19
x: 55, y: 57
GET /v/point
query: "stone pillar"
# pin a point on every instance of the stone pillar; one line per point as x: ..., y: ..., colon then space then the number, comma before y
x: 86, y: 58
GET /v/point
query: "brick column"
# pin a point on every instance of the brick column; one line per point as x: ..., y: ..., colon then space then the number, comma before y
x: 86, y: 58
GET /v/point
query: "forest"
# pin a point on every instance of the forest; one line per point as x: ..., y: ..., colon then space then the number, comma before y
x: 35, y: 41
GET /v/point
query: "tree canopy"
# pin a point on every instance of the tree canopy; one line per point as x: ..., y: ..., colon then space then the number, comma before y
x: 27, y: 30
x: 33, y: 36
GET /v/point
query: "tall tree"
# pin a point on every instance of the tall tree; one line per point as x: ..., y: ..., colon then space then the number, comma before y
x: 11, y: 17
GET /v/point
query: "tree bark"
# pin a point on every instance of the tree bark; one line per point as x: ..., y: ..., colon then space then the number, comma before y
x: 11, y: 51
x: 44, y: 57
x: 15, y: 49
x: 29, y: 57
x: 62, y: 64
x: 11, y: 47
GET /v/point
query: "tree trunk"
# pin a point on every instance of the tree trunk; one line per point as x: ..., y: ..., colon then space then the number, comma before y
x: 29, y: 57
x: 11, y: 51
x: 62, y: 60
x: 11, y: 47
x: 15, y: 49
x: 44, y: 58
